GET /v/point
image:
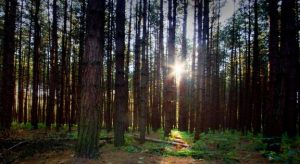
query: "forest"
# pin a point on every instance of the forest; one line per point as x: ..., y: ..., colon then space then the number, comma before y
x: 149, y: 81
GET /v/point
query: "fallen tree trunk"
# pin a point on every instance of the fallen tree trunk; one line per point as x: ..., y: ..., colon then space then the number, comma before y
x: 13, y: 149
x: 162, y: 141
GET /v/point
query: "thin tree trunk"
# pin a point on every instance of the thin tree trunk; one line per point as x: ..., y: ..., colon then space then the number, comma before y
x: 198, y: 121
x: 170, y: 88
x: 28, y: 65
x: 36, y: 65
x: 127, y: 96
x: 193, y: 90
x: 256, y: 83
x: 109, y: 83
x: 144, y: 79
x: 61, y: 109
x: 120, y: 111
x: 156, y: 113
x: 53, y: 70
x: 137, y: 75
x: 81, y: 53
x: 21, y: 71
x: 183, y: 104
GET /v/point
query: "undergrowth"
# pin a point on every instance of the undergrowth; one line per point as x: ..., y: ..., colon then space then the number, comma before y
x: 289, y: 153
x: 212, y: 145
x: 218, y: 145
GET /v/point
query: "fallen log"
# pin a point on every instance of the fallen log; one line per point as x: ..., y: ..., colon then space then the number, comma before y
x: 162, y: 141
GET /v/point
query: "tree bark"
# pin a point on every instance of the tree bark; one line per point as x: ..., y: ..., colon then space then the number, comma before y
x: 36, y: 65
x: 87, y: 145
x: 8, y: 85
x: 21, y: 70
x: 120, y: 111
x: 137, y: 75
x: 53, y: 68
x: 127, y: 96
x: 183, y: 102
x: 198, y: 121
x: 256, y: 81
x: 169, y: 94
x: 290, y: 62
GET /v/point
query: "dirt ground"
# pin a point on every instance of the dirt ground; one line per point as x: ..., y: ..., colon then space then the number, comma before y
x: 116, y: 157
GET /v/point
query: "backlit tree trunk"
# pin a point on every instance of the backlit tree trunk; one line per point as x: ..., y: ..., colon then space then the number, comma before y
x: 183, y: 102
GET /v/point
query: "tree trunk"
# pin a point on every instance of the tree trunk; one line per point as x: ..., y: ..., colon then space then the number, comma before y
x: 28, y: 65
x: 193, y: 89
x: 290, y: 62
x: 61, y: 108
x: 81, y: 53
x: 273, y: 112
x: 183, y: 102
x: 109, y: 81
x: 256, y: 81
x: 87, y: 145
x: 137, y: 76
x: 36, y: 65
x: 169, y: 103
x: 144, y: 79
x: 127, y: 96
x: 120, y: 111
x: 8, y: 85
x: 53, y: 66
x: 156, y: 113
x: 198, y: 121
x: 21, y: 71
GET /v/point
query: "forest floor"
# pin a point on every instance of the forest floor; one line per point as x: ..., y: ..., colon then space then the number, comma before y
x: 41, y: 146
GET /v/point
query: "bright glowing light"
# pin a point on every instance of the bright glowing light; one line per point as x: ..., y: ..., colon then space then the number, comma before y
x: 178, y: 70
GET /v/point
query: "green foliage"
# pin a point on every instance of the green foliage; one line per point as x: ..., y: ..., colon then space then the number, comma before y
x: 53, y: 126
x: 129, y: 140
x: 15, y: 125
x: 187, y: 137
x: 41, y: 126
x: 255, y: 142
x: 73, y: 135
x: 161, y: 133
x: 131, y: 149
x: 104, y: 133
x: 290, y: 151
x: 217, y: 145
x: 155, y: 148
x: 179, y: 153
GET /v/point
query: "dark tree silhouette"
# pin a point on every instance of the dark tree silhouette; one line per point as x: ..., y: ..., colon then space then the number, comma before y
x: 8, y: 85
